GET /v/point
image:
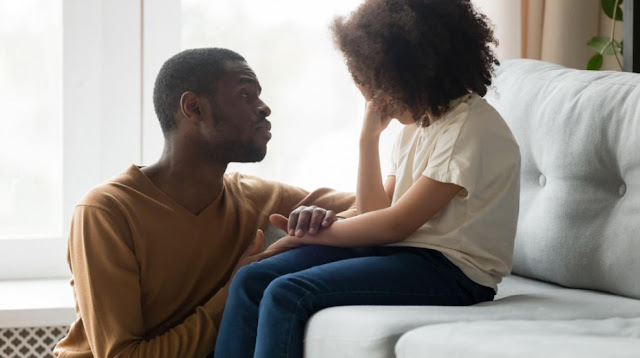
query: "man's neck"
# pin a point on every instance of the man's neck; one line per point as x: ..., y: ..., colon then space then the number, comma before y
x: 192, y: 183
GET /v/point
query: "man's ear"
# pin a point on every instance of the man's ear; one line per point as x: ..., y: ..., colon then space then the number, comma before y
x: 190, y: 106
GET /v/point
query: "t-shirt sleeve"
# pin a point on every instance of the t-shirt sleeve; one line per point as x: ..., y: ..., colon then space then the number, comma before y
x: 107, y: 288
x: 456, y: 158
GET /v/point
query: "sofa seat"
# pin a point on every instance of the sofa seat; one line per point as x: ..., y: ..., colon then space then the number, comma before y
x: 373, y: 331
x: 614, y: 337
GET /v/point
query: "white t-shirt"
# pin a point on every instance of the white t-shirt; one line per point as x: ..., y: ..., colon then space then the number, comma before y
x: 470, y: 146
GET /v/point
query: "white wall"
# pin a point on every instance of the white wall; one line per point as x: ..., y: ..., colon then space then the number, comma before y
x: 506, y: 15
x: 161, y: 40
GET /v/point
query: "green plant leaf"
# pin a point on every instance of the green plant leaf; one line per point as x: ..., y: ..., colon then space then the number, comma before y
x: 601, y: 45
x: 607, y: 7
x: 595, y: 62
x: 621, y: 47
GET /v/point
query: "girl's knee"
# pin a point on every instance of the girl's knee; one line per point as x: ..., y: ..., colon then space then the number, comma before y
x: 249, y: 278
x: 286, y: 290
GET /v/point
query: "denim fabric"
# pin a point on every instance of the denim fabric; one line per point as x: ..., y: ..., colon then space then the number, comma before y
x: 270, y: 301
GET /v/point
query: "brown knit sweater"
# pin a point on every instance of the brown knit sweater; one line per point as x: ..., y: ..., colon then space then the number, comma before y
x: 149, y: 277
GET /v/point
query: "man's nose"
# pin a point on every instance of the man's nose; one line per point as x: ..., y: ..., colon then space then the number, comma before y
x: 264, y: 110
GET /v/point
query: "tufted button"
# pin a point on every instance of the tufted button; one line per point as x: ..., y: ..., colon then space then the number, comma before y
x: 542, y: 180
x: 622, y: 190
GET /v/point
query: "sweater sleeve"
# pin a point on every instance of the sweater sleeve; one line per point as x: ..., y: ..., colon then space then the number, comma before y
x: 274, y: 197
x: 107, y: 289
x: 324, y: 197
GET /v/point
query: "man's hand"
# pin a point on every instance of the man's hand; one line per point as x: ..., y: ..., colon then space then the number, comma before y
x: 253, y: 253
x: 304, y: 220
x: 286, y: 243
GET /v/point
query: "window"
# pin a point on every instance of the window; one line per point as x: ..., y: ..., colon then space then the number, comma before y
x: 31, y: 122
x: 70, y: 74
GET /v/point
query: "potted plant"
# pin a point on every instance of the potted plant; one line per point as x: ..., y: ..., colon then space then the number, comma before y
x: 607, y: 45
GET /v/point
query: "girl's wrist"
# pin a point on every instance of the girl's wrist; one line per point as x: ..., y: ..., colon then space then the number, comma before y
x: 369, y: 137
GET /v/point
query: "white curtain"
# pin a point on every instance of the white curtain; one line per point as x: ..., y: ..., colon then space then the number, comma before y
x: 550, y: 30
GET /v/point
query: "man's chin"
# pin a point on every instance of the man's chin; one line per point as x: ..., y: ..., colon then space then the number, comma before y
x: 253, y: 156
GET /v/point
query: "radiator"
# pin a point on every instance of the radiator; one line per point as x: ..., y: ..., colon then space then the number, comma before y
x: 30, y: 342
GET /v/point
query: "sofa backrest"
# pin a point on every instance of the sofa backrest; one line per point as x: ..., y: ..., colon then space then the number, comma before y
x: 579, y: 137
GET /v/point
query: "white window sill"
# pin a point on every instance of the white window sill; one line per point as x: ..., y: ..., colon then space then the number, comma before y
x: 36, y: 303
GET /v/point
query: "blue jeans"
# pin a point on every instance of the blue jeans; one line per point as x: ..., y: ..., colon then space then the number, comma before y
x: 270, y: 301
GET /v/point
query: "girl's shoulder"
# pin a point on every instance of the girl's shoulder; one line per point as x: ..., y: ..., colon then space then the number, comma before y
x: 477, y: 117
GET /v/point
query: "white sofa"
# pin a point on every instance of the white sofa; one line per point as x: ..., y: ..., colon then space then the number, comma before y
x: 575, y: 288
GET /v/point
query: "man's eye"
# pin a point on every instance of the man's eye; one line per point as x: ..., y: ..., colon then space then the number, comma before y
x: 244, y: 94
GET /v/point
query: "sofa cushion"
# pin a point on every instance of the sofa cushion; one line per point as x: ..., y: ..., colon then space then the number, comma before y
x: 579, y: 137
x: 614, y: 337
x: 372, y: 331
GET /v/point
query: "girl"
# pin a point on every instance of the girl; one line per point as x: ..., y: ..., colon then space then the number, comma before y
x: 440, y: 230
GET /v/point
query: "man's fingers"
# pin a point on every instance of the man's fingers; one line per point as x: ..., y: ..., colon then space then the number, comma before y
x: 329, y: 218
x: 274, y: 249
x: 279, y: 221
x: 306, y: 219
x: 266, y: 254
x: 254, y: 248
x: 256, y: 245
x: 252, y: 253
x: 303, y: 222
x: 293, y: 221
x: 317, y: 217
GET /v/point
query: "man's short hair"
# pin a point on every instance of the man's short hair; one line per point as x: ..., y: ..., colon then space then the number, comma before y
x: 195, y: 70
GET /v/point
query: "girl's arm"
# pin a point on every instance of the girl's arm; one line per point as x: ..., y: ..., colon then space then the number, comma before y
x: 390, y: 225
x: 371, y: 194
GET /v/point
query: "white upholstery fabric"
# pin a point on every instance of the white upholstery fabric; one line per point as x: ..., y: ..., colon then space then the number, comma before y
x: 372, y: 331
x: 579, y: 137
x: 611, y: 338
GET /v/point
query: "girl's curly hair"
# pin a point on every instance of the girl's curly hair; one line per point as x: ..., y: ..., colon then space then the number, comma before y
x: 420, y: 53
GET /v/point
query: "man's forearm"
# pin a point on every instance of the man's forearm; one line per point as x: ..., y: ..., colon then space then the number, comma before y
x: 194, y: 337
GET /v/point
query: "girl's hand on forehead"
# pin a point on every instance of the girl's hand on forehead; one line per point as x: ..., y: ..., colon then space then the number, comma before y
x: 376, y: 119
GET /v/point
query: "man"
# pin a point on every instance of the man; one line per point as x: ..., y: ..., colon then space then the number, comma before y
x: 152, y: 250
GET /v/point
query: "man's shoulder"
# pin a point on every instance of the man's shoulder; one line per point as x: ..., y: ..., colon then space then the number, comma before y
x: 258, y: 191
x: 249, y: 183
x: 110, y: 194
